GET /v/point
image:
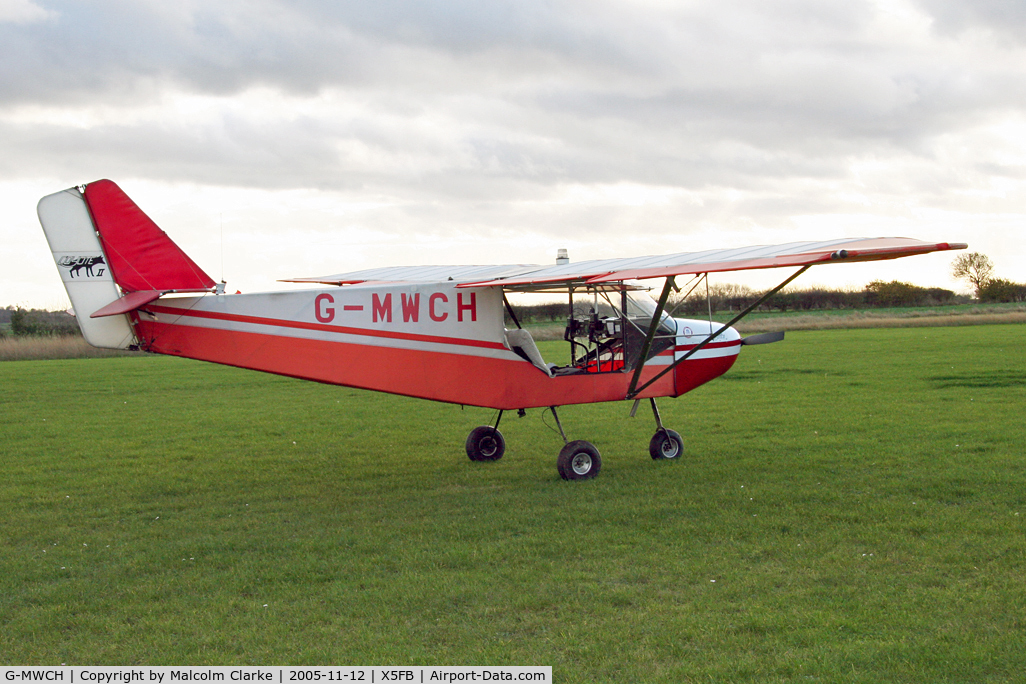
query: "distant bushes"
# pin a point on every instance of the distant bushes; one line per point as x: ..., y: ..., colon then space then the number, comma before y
x: 21, y: 322
x: 1001, y: 290
x: 540, y: 313
x: 34, y: 334
x: 898, y: 293
x: 877, y: 294
x: 977, y: 269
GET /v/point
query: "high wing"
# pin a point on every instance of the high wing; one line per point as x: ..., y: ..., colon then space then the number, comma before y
x: 420, y: 274
x: 599, y: 271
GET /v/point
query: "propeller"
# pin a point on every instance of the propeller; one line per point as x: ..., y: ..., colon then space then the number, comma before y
x: 764, y: 338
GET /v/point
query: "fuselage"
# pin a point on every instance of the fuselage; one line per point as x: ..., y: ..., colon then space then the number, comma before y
x: 435, y: 341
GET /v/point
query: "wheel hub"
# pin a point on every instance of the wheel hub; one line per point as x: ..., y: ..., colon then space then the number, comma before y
x: 581, y: 463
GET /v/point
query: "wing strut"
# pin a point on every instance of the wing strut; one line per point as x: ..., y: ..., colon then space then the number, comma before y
x: 656, y: 319
x: 509, y: 310
x: 632, y: 393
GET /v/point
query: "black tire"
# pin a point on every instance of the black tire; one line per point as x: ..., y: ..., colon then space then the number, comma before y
x: 579, y: 460
x: 485, y: 443
x: 666, y: 445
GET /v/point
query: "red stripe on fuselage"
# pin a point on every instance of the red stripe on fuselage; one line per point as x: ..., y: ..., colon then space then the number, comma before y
x: 711, y: 345
x: 302, y: 325
x: 449, y: 377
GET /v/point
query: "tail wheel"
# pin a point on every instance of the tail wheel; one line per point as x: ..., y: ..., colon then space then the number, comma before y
x: 485, y: 443
x: 666, y: 445
x: 578, y: 460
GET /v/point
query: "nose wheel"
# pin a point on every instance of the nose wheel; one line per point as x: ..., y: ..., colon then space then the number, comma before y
x: 666, y: 445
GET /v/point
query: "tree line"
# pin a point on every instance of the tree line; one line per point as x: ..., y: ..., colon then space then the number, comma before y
x: 731, y: 297
x: 978, y: 270
x: 14, y: 320
x: 877, y: 294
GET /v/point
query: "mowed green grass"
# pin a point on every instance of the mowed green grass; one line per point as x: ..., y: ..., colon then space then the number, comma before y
x: 851, y: 508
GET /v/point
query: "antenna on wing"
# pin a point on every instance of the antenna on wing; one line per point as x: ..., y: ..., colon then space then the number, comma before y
x: 219, y: 288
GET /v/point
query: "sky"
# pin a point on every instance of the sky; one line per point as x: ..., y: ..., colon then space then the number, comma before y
x: 287, y: 139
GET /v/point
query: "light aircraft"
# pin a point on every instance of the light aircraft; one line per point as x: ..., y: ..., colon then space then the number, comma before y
x: 435, y: 332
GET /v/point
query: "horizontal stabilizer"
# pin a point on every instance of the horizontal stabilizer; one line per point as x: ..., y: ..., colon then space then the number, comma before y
x: 130, y: 302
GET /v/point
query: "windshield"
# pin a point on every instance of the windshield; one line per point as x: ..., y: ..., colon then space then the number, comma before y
x: 641, y: 306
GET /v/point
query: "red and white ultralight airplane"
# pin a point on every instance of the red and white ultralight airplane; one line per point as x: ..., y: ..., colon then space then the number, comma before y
x: 435, y: 332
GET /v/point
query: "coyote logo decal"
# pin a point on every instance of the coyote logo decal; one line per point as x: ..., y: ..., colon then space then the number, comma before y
x: 75, y: 264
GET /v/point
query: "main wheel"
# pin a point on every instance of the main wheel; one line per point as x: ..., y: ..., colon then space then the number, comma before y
x: 578, y: 460
x: 666, y: 444
x: 485, y: 443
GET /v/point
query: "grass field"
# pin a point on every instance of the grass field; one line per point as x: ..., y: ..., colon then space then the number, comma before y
x: 851, y: 508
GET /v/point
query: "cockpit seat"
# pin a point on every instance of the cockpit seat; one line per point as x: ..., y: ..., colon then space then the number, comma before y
x: 522, y: 344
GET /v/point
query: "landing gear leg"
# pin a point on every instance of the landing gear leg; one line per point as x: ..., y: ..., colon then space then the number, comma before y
x: 486, y: 443
x: 577, y: 460
x: 558, y: 424
x: 665, y: 444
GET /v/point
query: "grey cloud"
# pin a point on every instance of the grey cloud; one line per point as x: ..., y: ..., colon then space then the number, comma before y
x: 118, y: 49
x: 1006, y: 18
x: 98, y: 49
x: 236, y: 152
x: 530, y: 94
x: 102, y: 49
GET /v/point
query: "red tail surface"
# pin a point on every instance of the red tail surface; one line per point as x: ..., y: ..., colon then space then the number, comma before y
x: 141, y: 256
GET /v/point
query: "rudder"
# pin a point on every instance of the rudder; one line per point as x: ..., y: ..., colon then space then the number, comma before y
x: 142, y: 256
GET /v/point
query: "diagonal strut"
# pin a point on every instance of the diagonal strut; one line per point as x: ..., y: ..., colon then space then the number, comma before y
x: 632, y: 393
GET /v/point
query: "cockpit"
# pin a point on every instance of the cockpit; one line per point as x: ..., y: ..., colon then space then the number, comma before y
x: 606, y: 328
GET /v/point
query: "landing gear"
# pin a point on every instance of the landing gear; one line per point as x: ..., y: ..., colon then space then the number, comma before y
x: 666, y: 445
x: 485, y: 443
x: 578, y: 460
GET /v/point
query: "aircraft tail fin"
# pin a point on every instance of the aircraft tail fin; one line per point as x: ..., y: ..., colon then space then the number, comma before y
x: 141, y: 255
x: 112, y: 259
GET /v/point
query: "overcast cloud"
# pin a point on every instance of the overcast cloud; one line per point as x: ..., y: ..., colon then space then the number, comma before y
x: 371, y: 133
